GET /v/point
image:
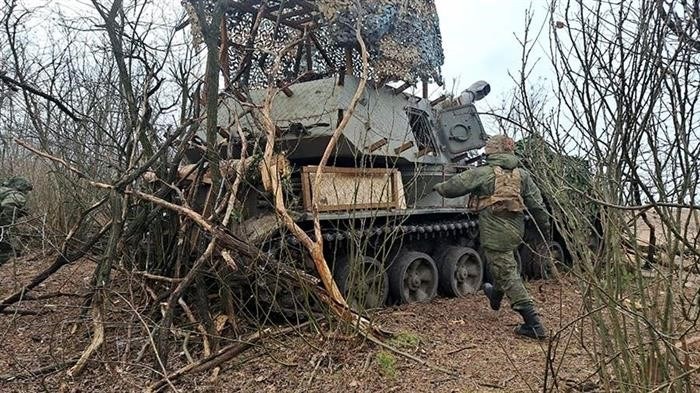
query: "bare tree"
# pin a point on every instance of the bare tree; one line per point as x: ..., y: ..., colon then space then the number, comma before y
x: 115, y: 121
x: 623, y: 99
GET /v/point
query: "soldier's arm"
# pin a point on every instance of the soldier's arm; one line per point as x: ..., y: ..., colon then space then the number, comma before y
x: 461, y: 184
x: 13, y: 204
x: 535, y: 204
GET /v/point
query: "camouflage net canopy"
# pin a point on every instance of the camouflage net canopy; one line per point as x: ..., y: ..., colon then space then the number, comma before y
x: 402, y: 37
x: 562, y: 179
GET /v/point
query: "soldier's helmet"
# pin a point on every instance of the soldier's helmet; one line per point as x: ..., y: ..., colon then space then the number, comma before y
x: 19, y: 183
x: 499, y: 144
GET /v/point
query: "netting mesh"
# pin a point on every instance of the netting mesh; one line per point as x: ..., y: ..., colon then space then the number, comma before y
x: 402, y: 37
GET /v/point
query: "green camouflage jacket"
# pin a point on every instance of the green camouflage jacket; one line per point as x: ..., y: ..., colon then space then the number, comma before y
x: 501, y: 231
x: 12, y: 204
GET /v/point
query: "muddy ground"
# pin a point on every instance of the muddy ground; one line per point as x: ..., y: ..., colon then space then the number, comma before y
x: 466, y: 346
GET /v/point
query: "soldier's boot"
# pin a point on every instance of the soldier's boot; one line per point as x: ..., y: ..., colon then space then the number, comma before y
x: 532, y: 327
x: 495, y: 297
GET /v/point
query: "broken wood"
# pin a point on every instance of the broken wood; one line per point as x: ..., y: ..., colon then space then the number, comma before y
x: 223, y: 355
x: 39, y: 372
x: 97, y: 337
x: 61, y: 260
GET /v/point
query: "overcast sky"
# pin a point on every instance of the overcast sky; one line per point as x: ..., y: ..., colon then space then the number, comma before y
x: 478, y: 36
x: 479, y: 40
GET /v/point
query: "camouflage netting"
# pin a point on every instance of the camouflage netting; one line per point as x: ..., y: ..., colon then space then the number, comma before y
x: 403, y: 39
x: 562, y: 179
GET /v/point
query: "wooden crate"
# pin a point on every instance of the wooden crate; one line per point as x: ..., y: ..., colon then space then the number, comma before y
x: 353, y: 189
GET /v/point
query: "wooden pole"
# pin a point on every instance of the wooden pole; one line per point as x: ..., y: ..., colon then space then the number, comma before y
x: 348, y: 61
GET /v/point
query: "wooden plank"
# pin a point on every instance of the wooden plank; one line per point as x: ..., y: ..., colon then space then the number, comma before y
x: 400, y: 192
x: 306, y: 188
x: 424, y: 151
x: 339, y: 169
x: 285, y: 88
x: 376, y: 145
x: 398, y: 90
x: 292, y: 14
x: 395, y: 188
x: 309, y: 55
x: 438, y: 100
x: 352, y: 189
x: 322, y: 51
x: 244, y: 65
x: 250, y: 9
x: 348, y: 62
x: 297, y: 58
x: 404, y: 146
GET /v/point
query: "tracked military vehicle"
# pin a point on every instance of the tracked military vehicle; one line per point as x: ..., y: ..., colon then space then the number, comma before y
x: 388, y: 236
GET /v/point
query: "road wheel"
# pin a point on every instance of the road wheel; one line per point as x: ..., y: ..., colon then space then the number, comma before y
x: 413, y: 277
x: 540, y: 261
x: 460, y: 270
x: 362, y: 280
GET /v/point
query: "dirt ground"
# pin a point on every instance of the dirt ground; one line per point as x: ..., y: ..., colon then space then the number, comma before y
x: 461, y: 335
x: 462, y: 346
x: 473, y: 346
x: 689, y: 222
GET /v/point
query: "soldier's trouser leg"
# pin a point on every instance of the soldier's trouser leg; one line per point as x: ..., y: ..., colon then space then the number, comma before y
x: 504, y: 269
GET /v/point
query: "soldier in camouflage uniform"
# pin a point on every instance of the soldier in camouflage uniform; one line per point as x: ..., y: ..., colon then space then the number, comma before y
x: 500, y: 193
x: 13, y: 199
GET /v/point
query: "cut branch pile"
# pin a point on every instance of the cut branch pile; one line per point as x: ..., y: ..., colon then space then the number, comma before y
x: 164, y: 214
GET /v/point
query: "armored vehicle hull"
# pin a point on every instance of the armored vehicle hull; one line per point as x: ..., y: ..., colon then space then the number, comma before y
x: 386, y: 233
x: 388, y: 236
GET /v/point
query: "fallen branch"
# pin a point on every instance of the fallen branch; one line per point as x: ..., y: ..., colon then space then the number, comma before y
x: 470, y: 346
x: 270, y: 171
x: 16, y: 311
x: 29, y: 297
x: 60, y: 261
x: 224, y: 354
x: 228, y: 240
x: 173, y: 299
x: 200, y: 328
x: 151, y: 276
x: 667, y: 386
x: 39, y: 372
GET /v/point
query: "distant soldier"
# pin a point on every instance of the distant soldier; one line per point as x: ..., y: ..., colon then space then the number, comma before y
x: 13, y: 200
x: 500, y: 192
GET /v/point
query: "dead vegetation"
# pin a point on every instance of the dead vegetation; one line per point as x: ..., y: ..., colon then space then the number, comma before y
x: 148, y: 277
